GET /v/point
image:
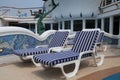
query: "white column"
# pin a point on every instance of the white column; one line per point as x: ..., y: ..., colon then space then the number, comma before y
x: 102, y: 24
x: 71, y: 25
x: 111, y: 25
x: 51, y: 26
x: 63, y: 27
x: 0, y: 22
x: 96, y: 21
x: 58, y: 25
x: 84, y: 24
x: 36, y: 28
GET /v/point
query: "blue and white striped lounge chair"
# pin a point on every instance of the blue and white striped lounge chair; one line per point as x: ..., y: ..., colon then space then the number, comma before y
x: 100, y: 41
x: 100, y: 38
x: 58, y: 42
x: 85, y: 43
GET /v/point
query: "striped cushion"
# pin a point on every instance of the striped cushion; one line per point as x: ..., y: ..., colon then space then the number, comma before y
x: 56, y: 58
x: 58, y: 39
x: 84, y: 42
x: 32, y: 51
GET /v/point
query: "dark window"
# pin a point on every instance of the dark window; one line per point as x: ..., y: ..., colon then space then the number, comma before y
x: 99, y: 23
x: 106, y: 25
x: 55, y: 26
x: 108, y: 2
x: 77, y: 25
x: 47, y: 26
x: 116, y: 25
x: 24, y: 25
x: 90, y: 24
x: 32, y: 27
x: 67, y: 24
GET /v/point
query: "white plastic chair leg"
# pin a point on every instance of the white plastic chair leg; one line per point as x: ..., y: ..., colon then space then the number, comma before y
x: 105, y: 48
x: 27, y: 58
x: 101, y: 59
x: 36, y: 64
x: 70, y: 74
x: 22, y: 59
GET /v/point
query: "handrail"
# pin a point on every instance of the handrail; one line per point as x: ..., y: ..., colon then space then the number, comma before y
x: 4, y: 12
x: 113, y: 3
x: 112, y: 36
x: 20, y: 12
x: 20, y: 8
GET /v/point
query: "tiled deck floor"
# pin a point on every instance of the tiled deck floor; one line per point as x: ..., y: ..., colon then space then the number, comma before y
x: 12, y: 68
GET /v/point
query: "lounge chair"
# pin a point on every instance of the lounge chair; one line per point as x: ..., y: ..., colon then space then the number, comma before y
x: 100, y: 38
x: 100, y: 41
x: 58, y: 42
x: 84, y: 44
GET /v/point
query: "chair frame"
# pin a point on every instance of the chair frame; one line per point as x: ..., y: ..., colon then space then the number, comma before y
x: 77, y: 62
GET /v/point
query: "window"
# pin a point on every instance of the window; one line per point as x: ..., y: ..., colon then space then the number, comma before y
x: 99, y: 23
x: 90, y: 24
x: 32, y: 27
x: 77, y: 25
x: 55, y: 26
x: 47, y: 26
x: 67, y: 24
x: 106, y: 24
x: 116, y: 25
x: 108, y: 2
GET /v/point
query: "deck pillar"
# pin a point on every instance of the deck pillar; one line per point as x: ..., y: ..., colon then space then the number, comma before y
x: 84, y: 24
x: 111, y: 25
x: 96, y: 23
x: 63, y: 27
x: 102, y: 24
x: 51, y: 26
x: 35, y: 28
x: 71, y: 25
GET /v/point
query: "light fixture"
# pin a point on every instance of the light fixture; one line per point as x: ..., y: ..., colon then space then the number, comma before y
x: 70, y: 15
x: 81, y: 14
x: 92, y: 15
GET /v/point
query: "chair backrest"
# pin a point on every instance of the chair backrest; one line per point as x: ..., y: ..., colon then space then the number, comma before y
x: 58, y: 39
x: 85, y: 40
x: 100, y: 38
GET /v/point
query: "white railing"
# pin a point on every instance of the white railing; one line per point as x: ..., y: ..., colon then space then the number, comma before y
x: 107, y: 3
x: 108, y: 6
x: 19, y: 12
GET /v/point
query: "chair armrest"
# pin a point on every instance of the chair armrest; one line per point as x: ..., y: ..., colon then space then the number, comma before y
x: 41, y: 46
x: 56, y: 49
x: 59, y: 49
